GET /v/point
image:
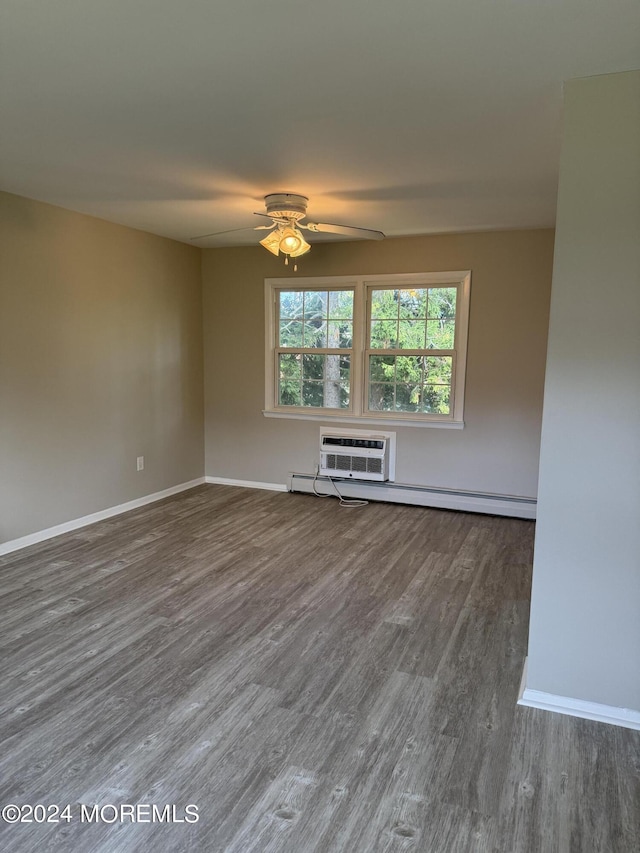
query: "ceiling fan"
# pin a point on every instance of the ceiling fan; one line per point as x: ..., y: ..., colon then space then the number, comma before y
x: 286, y: 211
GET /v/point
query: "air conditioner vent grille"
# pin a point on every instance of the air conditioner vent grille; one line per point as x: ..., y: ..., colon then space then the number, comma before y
x: 359, y: 464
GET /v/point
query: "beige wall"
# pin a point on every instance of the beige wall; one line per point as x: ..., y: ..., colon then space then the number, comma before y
x: 100, y: 362
x: 498, y: 449
x: 584, y: 638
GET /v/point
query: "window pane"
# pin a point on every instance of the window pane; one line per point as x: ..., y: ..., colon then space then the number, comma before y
x: 313, y: 366
x: 339, y: 333
x: 384, y: 334
x: 290, y: 376
x: 345, y: 367
x: 338, y: 375
x: 382, y: 368
x: 409, y: 368
x: 315, y: 304
x: 411, y: 334
x: 381, y: 397
x: 315, y: 333
x: 440, y: 334
x: 332, y: 367
x: 289, y: 364
x: 442, y: 302
x: 412, y: 303
x: 439, y: 370
x: 436, y: 399
x: 290, y: 394
x: 336, y: 395
x: 290, y: 304
x: 312, y: 393
x: 407, y: 397
x: 290, y: 333
x: 341, y: 304
x: 384, y: 304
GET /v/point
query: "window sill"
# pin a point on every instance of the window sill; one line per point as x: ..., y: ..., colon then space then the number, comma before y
x: 362, y: 419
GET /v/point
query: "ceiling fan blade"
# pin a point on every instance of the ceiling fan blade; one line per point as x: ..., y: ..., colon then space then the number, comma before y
x: 347, y: 230
x: 220, y: 233
x: 234, y: 231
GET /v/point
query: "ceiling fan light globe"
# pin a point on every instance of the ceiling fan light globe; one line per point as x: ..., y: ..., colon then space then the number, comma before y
x: 290, y: 241
x: 271, y: 243
x: 304, y: 248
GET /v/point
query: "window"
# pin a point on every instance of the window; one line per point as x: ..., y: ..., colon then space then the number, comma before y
x: 380, y: 348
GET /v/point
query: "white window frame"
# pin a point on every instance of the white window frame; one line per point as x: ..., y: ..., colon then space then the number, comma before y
x: 362, y: 286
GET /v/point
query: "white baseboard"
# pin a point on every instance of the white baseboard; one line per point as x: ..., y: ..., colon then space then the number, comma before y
x: 74, y: 524
x: 514, y: 507
x: 576, y: 707
x: 247, y: 484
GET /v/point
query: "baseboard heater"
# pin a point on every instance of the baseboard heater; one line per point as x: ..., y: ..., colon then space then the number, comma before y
x: 489, y: 504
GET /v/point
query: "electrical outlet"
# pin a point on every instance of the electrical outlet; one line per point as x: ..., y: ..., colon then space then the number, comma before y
x: 140, y: 463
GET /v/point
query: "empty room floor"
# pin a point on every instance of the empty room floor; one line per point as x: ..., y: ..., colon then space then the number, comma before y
x: 298, y: 677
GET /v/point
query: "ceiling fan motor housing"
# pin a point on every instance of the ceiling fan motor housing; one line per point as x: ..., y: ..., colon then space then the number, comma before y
x: 290, y: 206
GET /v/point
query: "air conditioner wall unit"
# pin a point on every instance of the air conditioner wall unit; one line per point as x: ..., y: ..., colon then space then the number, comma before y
x: 356, y: 456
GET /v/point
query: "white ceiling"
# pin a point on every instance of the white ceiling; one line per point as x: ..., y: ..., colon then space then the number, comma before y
x: 413, y: 117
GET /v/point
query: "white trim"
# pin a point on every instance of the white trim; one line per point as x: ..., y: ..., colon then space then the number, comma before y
x: 355, y: 419
x: 269, y: 344
x: 85, y: 520
x: 247, y: 484
x: 529, y: 698
x: 404, y: 493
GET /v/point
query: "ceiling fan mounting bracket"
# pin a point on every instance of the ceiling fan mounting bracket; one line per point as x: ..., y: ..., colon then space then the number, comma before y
x: 286, y: 206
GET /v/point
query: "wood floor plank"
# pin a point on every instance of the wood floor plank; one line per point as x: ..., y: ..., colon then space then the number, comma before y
x: 269, y: 824
x: 429, y: 634
x: 482, y: 757
x: 314, y: 679
x: 359, y: 772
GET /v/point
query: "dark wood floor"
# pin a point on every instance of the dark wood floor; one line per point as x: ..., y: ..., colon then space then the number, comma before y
x: 312, y: 678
